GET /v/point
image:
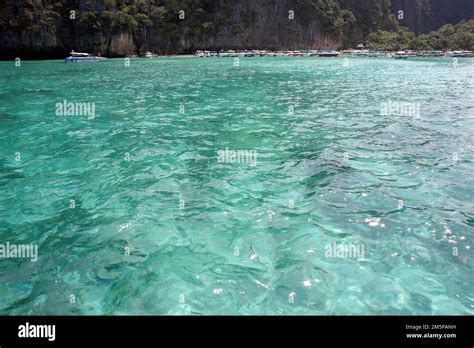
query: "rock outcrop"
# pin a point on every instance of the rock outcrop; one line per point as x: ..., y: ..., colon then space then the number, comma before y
x: 116, y: 28
x: 423, y: 16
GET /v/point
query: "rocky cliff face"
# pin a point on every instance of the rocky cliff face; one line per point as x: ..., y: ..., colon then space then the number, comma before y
x: 44, y: 28
x: 48, y: 28
x: 423, y: 16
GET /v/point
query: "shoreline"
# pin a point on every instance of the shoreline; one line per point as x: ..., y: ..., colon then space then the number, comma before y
x: 190, y: 56
x: 184, y: 57
x: 346, y: 53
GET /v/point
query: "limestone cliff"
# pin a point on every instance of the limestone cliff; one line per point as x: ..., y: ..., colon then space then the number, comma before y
x: 51, y: 28
x: 423, y: 16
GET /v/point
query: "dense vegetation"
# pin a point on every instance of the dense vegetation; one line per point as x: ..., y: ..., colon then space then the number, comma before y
x: 116, y: 15
x: 424, y: 16
x: 120, y: 27
x: 201, y: 16
x: 448, y: 37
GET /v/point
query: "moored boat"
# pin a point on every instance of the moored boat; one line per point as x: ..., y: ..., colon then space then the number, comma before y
x: 457, y: 54
x: 347, y: 52
x: 430, y: 54
x: 361, y: 53
x: 401, y: 55
x: 77, y: 57
x: 376, y: 54
x: 330, y: 53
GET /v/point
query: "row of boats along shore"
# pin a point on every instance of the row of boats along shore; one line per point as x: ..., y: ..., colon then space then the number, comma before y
x: 77, y: 57
x: 332, y: 53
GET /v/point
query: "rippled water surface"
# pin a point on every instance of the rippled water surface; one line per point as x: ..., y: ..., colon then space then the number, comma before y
x: 133, y: 213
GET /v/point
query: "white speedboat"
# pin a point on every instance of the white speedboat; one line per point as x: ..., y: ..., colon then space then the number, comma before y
x: 347, y: 53
x: 375, y: 54
x: 400, y: 55
x: 330, y: 53
x: 361, y: 53
x: 148, y: 55
x: 77, y: 57
x: 457, y: 54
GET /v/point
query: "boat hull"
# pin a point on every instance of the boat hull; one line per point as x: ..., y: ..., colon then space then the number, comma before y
x: 84, y: 59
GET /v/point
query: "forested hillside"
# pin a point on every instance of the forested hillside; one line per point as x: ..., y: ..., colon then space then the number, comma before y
x: 51, y: 28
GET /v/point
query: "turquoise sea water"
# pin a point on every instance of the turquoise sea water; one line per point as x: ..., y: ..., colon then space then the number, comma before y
x: 132, y: 212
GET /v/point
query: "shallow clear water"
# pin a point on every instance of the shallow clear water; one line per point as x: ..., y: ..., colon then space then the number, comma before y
x: 133, y: 213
